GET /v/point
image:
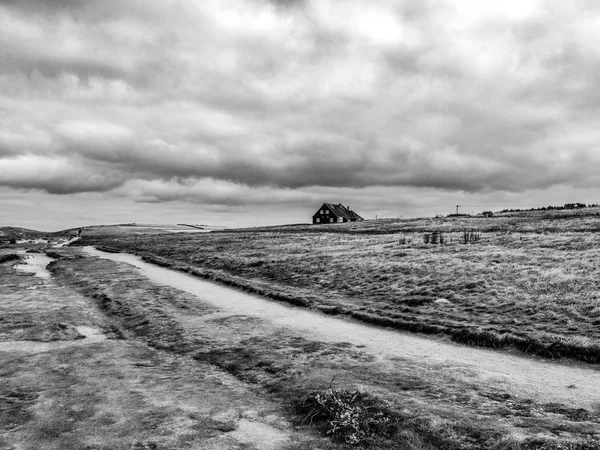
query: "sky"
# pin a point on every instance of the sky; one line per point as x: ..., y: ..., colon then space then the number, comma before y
x: 255, y: 112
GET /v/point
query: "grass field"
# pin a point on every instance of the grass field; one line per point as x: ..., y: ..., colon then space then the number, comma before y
x: 531, y: 281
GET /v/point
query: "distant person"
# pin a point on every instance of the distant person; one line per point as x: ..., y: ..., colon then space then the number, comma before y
x: 79, y: 232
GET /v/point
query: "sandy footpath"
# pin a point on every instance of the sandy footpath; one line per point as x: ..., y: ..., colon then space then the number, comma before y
x: 572, y: 383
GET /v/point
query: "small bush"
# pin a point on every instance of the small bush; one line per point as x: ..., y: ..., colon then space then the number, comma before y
x: 402, y: 240
x: 470, y: 236
x: 437, y: 237
x: 351, y: 417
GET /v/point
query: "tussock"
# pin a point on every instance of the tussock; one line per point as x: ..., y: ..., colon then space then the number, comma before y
x: 349, y: 416
x: 10, y: 257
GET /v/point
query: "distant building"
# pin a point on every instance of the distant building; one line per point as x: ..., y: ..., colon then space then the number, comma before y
x: 330, y: 213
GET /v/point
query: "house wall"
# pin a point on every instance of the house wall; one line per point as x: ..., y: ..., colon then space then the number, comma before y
x: 324, y: 215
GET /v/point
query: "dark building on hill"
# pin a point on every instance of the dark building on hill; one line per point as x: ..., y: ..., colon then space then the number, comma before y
x: 330, y: 213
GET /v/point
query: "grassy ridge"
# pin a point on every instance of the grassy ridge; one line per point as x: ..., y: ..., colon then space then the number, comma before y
x: 536, y: 292
x: 586, y: 220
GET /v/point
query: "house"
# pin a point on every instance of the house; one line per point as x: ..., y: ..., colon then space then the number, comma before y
x: 330, y: 213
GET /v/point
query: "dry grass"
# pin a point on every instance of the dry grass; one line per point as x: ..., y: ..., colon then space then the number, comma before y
x: 532, y: 283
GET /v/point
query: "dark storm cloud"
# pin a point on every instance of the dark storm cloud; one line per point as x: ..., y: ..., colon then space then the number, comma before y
x: 51, y: 66
x: 274, y: 98
x: 285, y: 4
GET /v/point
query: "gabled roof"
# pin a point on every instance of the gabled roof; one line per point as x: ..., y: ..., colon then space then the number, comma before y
x: 341, y: 211
x: 355, y: 216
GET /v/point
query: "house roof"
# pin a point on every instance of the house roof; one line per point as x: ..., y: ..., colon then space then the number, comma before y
x: 341, y: 211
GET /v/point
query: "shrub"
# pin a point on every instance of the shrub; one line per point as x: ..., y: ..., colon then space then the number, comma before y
x: 470, y: 236
x: 351, y: 417
x: 436, y: 237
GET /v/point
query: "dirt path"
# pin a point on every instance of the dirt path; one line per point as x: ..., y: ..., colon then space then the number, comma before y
x: 571, y: 383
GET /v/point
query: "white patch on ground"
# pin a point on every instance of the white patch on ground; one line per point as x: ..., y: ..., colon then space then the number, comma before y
x: 442, y: 301
x: 35, y: 263
x: 90, y: 336
x: 259, y: 434
x: 65, y: 242
x: 32, y: 241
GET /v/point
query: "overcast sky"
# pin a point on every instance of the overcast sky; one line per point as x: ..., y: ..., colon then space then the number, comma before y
x: 245, y: 112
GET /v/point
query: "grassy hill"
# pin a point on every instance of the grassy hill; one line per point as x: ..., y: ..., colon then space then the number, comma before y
x: 528, y: 281
x: 579, y: 220
x: 9, y: 233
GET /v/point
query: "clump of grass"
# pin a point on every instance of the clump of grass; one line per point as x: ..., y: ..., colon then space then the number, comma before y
x: 108, y: 249
x: 351, y: 417
x: 436, y: 237
x: 10, y: 257
x: 402, y: 240
x: 470, y: 236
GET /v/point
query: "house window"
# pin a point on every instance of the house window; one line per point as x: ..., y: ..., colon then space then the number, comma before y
x: 340, y: 219
x: 327, y: 211
x: 318, y: 220
x: 331, y: 220
x: 321, y: 212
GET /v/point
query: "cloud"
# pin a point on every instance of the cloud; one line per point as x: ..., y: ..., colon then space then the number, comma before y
x: 55, y: 175
x: 214, y: 192
x: 218, y: 101
x: 101, y: 141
